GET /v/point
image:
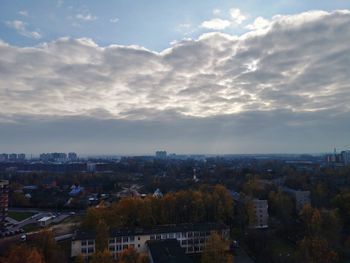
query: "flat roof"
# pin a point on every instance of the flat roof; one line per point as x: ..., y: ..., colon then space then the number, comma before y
x: 82, y: 234
x: 167, y: 251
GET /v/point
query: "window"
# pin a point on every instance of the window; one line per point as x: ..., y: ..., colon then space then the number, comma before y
x: 84, y: 250
x: 190, y: 234
x: 83, y: 243
x: 152, y: 237
x: 90, y: 250
x: 178, y: 235
x: 138, y: 238
x: 132, y: 239
x: 132, y: 246
x: 111, y: 241
x: 184, y: 234
x: 171, y: 235
x: 183, y: 242
x: 118, y: 240
x: 125, y: 239
x: 91, y: 242
x: 138, y: 245
x: 119, y: 247
x: 158, y: 237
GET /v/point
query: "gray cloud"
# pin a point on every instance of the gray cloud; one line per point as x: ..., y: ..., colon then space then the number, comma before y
x: 292, y: 75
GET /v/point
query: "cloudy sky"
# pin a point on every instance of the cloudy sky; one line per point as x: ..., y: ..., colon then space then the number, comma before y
x: 132, y: 77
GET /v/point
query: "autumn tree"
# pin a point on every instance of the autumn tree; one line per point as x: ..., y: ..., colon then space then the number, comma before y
x: 215, y: 250
x: 101, y: 257
x: 45, y: 242
x: 24, y: 254
x: 130, y: 255
x: 315, y: 246
x: 102, y: 234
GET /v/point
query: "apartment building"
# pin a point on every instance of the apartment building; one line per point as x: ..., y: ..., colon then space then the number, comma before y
x: 191, y: 238
x: 300, y: 197
x: 4, y: 200
x: 260, y: 214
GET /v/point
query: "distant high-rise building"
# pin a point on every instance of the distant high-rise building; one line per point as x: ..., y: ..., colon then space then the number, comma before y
x: 91, y: 167
x: 13, y: 157
x: 4, y: 200
x: 21, y: 157
x: 161, y: 154
x: 345, y: 157
x: 4, y: 157
x: 72, y: 156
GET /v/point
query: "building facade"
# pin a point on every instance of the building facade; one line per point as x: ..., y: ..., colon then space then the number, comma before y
x: 4, y: 201
x: 300, y: 197
x: 260, y: 215
x: 191, y: 237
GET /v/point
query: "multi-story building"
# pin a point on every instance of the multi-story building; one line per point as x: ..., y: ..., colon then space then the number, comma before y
x: 21, y: 156
x: 161, y: 154
x: 260, y: 214
x: 13, y: 157
x: 4, y: 157
x: 300, y: 197
x: 4, y: 200
x: 72, y: 156
x: 191, y: 237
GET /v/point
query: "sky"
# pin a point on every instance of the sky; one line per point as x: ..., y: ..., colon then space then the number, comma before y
x: 133, y: 77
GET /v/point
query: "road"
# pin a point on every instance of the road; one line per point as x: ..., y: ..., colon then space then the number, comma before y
x: 242, y: 257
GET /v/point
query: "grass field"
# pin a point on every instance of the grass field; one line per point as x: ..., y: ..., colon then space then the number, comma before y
x: 19, y: 216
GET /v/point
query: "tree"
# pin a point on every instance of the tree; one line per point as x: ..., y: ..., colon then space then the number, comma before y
x: 315, y: 250
x: 129, y: 255
x: 102, y: 236
x: 23, y: 252
x: 79, y: 259
x: 46, y: 243
x: 315, y: 246
x: 215, y: 250
x: 102, y: 257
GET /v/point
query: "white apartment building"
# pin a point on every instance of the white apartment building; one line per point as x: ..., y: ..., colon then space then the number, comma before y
x: 261, y: 214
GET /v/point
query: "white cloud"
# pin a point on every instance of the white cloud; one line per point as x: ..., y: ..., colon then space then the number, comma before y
x: 299, y: 64
x: 259, y: 23
x: 186, y: 29
x: 23, y: 13
x: 114, y: 20
x: 216, y: 24
x: 59, y: 3
x: 87, y: 17
x: 237, y: 16
x: 20, y: 27
x: 216, y: 12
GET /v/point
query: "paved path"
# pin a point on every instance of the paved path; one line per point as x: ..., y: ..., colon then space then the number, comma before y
x: 242, y: 257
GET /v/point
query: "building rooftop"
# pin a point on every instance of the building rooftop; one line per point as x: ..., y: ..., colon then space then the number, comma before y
x: 159, y: 229
x: 167, y: 251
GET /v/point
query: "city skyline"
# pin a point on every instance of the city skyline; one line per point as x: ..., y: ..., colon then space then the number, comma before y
x: 210, y: 78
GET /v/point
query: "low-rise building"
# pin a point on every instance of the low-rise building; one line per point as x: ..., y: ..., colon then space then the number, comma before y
x: 46, y: 220
x: 191, y: 237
